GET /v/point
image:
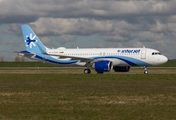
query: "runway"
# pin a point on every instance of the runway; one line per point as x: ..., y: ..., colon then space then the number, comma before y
x: 79, y: 70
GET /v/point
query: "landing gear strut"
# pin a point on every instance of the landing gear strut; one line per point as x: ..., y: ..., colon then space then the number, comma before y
x: 145, y: 70
x: 87, y: 71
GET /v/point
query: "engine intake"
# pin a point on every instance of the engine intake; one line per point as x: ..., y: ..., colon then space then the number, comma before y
x: 103, y: 66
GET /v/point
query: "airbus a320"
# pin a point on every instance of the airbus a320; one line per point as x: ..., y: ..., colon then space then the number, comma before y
x: 101, y: 59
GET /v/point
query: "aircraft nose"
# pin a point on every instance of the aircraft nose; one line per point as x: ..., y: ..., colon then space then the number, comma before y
x: 164, y: 59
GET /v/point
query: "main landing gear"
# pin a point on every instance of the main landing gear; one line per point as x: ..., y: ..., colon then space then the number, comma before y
x: 145, y: 70
x: 87, y: 71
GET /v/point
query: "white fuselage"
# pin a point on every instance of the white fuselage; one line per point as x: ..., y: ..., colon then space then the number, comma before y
x: 119, y: 56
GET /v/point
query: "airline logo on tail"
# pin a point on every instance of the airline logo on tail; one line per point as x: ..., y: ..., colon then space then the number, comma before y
x: 31, y: 40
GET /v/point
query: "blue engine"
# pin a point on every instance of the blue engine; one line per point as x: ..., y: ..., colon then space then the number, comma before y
x: 103, y: 66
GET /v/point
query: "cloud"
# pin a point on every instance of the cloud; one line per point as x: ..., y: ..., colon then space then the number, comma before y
x: 117, y: 22
x: 11, y: 42
x: 125, y: 44
x: 100, y: 45
x: 66, y: 38
x: 0, y: 39
x: 138, y: 45
x: 45, y: 40
x: 21, y: 11
x: 72, y: 26
x: 109, y: 30
x: 13, y: 29
x: 149, y: 36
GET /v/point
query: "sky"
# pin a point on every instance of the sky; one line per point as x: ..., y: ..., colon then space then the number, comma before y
x: 89, y: 24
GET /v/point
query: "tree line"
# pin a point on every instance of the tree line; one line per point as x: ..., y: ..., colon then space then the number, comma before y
x: 18, y: 58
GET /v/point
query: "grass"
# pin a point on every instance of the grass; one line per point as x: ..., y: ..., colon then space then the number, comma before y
x: 85, y: 97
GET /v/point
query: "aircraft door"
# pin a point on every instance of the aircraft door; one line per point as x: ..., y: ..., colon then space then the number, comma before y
x: 104, y: 53
x: 100, y: 53
x: 143, y: 54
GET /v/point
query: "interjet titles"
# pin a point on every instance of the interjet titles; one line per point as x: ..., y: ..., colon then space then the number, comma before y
x: 128, y: 51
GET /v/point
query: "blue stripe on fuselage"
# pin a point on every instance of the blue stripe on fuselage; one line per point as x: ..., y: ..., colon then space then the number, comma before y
x: 128, y: 60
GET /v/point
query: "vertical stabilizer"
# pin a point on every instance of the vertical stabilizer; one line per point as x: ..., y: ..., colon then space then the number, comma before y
x: 32, y: 42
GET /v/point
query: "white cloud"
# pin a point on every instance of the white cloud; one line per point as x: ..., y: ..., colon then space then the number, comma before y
x: 138, y: 44
x: 100, y: 45
x: 149, y: 36
x: 11, y: 42
x: 116, y: 22
x: 14, y: 29
x: 66, y: 38
x: 109, y: 30
x: 45, y: 40
x: 21, y: 11
x: 0, y: 39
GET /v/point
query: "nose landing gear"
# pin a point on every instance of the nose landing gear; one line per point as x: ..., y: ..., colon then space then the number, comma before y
x: 145, y: 70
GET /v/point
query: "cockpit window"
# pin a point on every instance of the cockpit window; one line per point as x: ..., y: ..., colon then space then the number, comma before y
x: 156, y: 53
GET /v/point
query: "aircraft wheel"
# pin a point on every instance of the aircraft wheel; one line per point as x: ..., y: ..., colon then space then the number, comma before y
x: 145, y: 72
x: 87, y: 71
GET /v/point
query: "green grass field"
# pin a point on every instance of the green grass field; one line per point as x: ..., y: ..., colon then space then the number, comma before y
x: 87, y: 97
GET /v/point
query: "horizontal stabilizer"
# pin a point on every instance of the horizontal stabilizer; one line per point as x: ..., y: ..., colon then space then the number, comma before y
x: 25, y: 54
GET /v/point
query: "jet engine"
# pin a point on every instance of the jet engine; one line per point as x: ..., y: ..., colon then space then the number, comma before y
x: 103, y: 66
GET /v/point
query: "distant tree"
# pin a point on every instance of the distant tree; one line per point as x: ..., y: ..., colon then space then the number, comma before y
x: 17, y: 58
x: 23, y: 59
x: 2, y: 58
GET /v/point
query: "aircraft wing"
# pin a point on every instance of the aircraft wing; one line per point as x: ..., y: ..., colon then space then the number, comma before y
x: 82, y: 59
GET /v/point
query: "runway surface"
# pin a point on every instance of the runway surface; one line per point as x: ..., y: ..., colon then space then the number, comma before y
x: 79, y: 70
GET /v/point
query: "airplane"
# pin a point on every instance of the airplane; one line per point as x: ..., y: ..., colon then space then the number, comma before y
x: 101, y: 59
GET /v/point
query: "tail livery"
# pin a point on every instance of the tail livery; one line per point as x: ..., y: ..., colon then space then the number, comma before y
x: 32, y: 42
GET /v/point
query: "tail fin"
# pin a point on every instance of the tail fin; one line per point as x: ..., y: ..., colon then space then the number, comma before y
x: 32, y: 42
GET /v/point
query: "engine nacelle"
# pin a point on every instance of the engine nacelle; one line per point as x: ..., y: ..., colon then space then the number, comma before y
x: 122, y: 68
x: 103, y: 66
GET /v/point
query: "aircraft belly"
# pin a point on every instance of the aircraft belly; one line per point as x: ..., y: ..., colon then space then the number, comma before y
x: 80, y: 63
